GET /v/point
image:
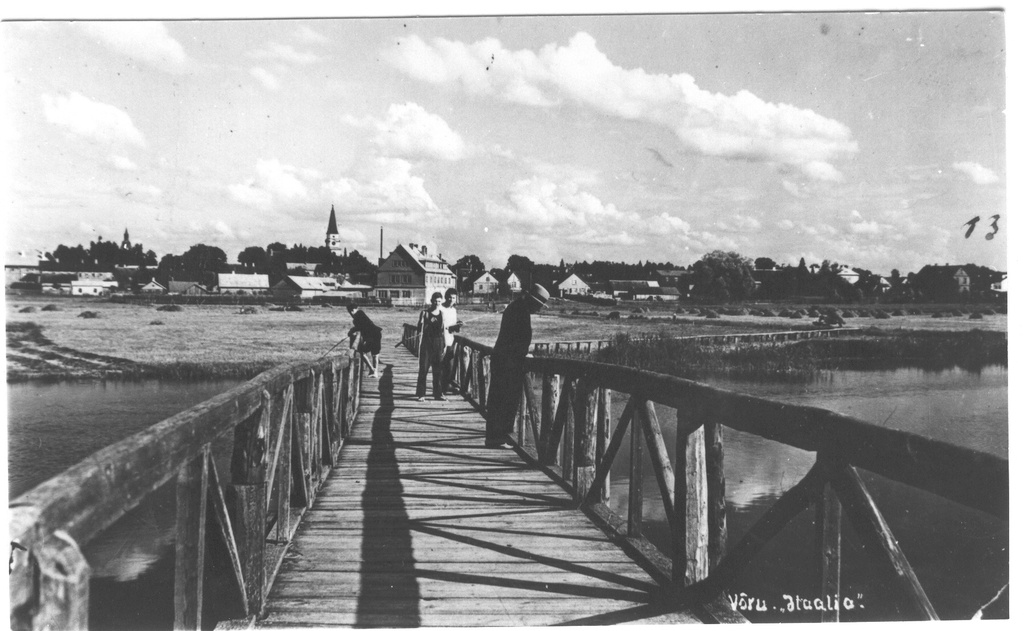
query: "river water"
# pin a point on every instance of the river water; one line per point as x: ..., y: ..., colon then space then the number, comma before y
x: 960, y: 555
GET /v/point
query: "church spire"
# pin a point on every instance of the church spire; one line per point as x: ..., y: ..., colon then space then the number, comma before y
x: 332, y: 225
x: 333, y: 240
x: 126, y: 244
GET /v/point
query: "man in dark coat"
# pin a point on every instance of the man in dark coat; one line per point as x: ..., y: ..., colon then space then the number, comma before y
x: 512, y: 346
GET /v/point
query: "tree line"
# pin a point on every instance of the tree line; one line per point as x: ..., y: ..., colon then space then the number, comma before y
x: 717, y: 276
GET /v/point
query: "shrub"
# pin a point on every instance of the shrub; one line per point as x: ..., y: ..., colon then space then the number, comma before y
x: 976, y: 316
x: 89, y: 315
x: 881, y: 315
x: 50, y: 308
x: 27, y: 310
x: 897, y: 312
x: 293, y: 308
x: 938, y: 314
x: 956, y: 313
x: 849, y: 314
x: 711, y: 314
x: 796, y: 315
x: 156, y: 322
x: 249, y: 310
x: 614, y: 315
x: 170, y: 308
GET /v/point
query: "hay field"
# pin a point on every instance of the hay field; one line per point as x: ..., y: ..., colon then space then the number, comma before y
x: 221, y: 334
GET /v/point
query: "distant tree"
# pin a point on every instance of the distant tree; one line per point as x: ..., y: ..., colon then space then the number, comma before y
x: 472, y: 264
x: 517, y: 263
x: 763, y: 262
x: 254, y: 257
x: 724, y: 276
x: 200, y: 263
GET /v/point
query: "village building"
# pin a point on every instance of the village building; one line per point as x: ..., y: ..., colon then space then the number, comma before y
x: 943, y: 281
x: 486, y: 285
x: 573, y: 285
x: 16, y: 273
x: 243, y: 283
x: 186, y: 288
x: 92, y: 287
x: 642, y: 290
x: 308, y: 268
x: 348, y: 289
x: 152, y: 287
x: 849, y: 275
x: 682, y: 280
x: 513, y: 283
x: 303, y: 287
x: 411, y: 274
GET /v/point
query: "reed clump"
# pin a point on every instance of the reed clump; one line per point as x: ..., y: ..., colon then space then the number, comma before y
x: 873, y: 349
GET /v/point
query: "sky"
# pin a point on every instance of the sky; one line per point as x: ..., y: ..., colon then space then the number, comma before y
x: 868, y: 139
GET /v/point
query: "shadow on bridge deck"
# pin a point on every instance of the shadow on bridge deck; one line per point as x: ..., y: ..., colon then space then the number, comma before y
x: 420, y: 525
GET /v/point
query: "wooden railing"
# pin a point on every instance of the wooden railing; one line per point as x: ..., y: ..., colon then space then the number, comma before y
x: 564, y: 423
x: 587, y: 346
x: 286, y: 427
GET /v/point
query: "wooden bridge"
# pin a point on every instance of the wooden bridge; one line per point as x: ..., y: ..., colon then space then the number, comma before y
x: 348, y: 503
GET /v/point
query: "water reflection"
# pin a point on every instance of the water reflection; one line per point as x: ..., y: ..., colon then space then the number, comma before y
x: 52, y: 426
x: 960, y: 555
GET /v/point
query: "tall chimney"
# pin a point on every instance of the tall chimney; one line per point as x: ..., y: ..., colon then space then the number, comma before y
x: 381, y: 259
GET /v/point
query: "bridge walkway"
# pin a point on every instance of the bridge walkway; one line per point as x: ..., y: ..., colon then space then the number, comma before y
x: 421, y: 525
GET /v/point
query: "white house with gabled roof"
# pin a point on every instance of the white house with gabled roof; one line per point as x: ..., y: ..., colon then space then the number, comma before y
x: 573, y: 285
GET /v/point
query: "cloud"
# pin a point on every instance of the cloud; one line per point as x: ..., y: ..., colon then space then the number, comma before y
x: 741, y: 126
x: 538, y: 204
x: 146, y: 41
x: 274, y: 181
x: 739, y: 223
x: 409, y: 131
x: 91, y: 119
x: 976, y: 172
x: 284, y: 53
x: 310, y: 36
x: 268, y: 80
x: 665, y: 224
x: 382, y: 190
x: 123, y: 163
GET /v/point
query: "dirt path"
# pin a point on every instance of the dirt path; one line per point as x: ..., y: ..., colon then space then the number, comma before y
x: 31, y: 355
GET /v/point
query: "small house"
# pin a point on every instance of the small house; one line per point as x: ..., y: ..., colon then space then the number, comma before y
x: 243, y: 283
x: 186, y: 288
x: 573, y: 285
x: 152, y: 287
x: 92, y: 287
x: 486, y: 285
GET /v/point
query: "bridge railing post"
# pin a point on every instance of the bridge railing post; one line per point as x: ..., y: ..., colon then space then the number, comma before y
x: 63, y: 585
x: 585, y: 435
x: 547, y: 449
x: 190, y: 550
x: 690, y: 519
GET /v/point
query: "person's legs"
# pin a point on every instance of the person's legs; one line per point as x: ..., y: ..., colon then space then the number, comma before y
x: 421, y: 378
x: 447, y: 367
x: 501, y: 401
x: 437, y: 374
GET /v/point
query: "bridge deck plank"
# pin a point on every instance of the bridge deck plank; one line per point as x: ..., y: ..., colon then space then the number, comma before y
x: 420, y: 525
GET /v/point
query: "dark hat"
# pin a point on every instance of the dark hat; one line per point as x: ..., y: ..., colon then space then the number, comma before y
x: 539, y: 294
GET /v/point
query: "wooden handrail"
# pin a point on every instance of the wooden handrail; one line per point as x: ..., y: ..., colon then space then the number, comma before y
x: 288, y: 425
x: 579, y: 451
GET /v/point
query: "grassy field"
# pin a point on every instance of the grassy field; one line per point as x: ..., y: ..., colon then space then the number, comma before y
x: 222, y: 335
